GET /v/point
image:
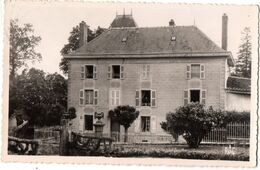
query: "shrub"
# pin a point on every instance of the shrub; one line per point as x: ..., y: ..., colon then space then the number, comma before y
x: 234, y: 116
x: 193, y: 121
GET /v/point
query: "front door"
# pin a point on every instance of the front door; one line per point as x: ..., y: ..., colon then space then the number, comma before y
x: 115, y: 130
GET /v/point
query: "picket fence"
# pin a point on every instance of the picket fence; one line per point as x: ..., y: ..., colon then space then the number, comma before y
x: 232, y: 132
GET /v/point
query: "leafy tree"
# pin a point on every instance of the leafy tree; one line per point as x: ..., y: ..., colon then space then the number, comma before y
x: 73, y: 44
x: 243, y: 63
x: 192, y: 121
x: 22, y: 46
x: 42, y: 97
x: 125, y: 116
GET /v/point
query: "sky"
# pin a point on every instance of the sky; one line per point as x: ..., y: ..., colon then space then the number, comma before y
x: 53, y: 21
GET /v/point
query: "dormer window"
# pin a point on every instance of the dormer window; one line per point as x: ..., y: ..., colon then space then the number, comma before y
x: 124, y: 39
x: 173, y: 38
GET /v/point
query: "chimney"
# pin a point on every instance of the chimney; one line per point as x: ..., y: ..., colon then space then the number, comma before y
x: 224, y: 31
x: 83, y: 33
x: 172, y: 23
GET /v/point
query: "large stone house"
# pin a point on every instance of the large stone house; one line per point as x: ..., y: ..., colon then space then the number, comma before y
x: 155, y: 69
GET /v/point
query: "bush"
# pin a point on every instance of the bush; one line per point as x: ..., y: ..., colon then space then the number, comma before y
x: 193, y: 121
x: 234, y: 116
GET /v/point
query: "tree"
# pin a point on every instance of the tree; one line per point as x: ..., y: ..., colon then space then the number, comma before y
x: 22, y: 46
x: 192, y: 121
x: 73, y: 44
x: 125, y: 115
x: 41, y: 96
x: 243, y: 63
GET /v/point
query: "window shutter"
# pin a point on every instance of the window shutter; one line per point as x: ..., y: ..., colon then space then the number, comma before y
x: 121, y: 72
x: 117, y: 97
x: 112, y: 96
x: 81, y: 124
x: 202, y: 71
x: 137, y: 124
x: 95, y: 97
x: 203, y: 97
x: 153, y: 124
x: 148, y: 71
x: 81, y: 97
x: 109, y: 72
x: 153, y: 104
x: 94, y: 72
x: 188, y: 71
x: 186, y: 97
x: 137, y: 98
x: 82, y: 72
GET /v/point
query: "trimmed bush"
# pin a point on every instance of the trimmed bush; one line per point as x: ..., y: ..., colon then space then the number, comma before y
x: 234, y: 116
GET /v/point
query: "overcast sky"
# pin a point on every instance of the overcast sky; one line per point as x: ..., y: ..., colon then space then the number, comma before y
x: 54, y: 21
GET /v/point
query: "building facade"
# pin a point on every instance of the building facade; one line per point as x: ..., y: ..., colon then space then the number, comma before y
x: 155, y: 69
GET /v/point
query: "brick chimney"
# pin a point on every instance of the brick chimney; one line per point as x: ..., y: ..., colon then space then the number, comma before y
x: 83, y: 33
x: 224, y: 31
x: 171, y: 23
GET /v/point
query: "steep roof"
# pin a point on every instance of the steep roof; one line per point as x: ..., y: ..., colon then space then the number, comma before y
x: 123, y: 21
x: 180, y: 39
x: 238, y: 85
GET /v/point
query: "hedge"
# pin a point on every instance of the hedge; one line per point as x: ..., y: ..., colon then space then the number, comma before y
x: 239, y: 117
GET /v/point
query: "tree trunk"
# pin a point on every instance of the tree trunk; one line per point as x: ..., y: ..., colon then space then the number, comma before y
x: 126, y: 135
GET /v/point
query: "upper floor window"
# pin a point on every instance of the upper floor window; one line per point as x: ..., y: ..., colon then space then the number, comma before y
x: 145, y: 98
x: 194, y: 95
x: 115, y: 97
x: 195, y: 71
x: 146, y: 72
x: 88, y: 97
x: 115, y: 72
x: 88, y: 72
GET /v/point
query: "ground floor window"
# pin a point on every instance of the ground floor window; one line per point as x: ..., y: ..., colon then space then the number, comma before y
x: 88, y: 119
x: 195, y: 96
x: 145, y: 123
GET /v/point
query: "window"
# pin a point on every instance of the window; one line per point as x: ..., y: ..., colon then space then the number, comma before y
x: 146, y: 72
x: 89, y: 70
x: 88, y: 122
x: 89, y: 97
x: 146, y: 98
x: 145, y: 123
x: 195, y: 71
x: 116, y: 71
x: 115, y: 97
x: 194, y: 96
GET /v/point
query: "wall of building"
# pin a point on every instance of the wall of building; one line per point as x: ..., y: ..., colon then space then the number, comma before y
x: 238, y: 102
x: 168, y: 78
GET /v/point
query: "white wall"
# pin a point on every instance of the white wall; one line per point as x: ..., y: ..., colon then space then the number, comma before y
x: 237, y: 102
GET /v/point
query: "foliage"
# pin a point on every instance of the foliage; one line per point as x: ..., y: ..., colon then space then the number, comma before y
x: 193, y: 121
x: 43, y: 98
x: 243, y: 63
x: 73, y: 44
x: 239, y: 117
x: 125, y: 116
x: 22, y: 46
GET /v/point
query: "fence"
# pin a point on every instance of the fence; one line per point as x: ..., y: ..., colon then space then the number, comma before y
x: 233, y: 131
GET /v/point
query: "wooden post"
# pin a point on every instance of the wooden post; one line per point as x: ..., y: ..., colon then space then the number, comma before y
x: 64, y: 137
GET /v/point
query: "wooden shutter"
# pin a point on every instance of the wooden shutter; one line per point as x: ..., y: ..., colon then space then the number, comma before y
x: 137, y: 124
x: 82, y: 72
x: 81, y: 97
x: 121, y: 72
x: 202, y: 71
x: 188, y: 71
x: 81, y: 124
x: 147, y: 71
x: 94, y: 72
x: 109, y: 72
x: 95, y: 97
x: 153, y: 98
x: 153, y: 124
x: 117, y: 97
x: 203, y: 96
x: 137, y: 98
x: 186, y: 97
